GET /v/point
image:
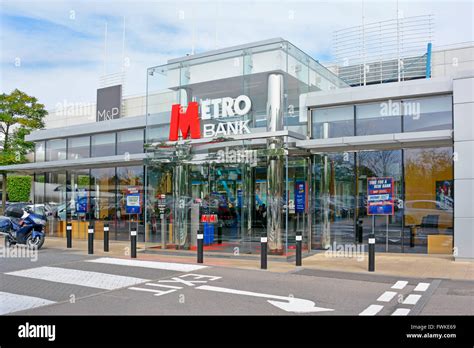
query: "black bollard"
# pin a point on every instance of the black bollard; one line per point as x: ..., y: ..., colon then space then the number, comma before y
x: 219, y: 233
x: 299, y: 242
x: 91, y: 239
x: 106, y: 237
x: 200, y: 247
x: 360, y: 231
x: 69, y: 235
x: 133, y: 242
x: 372, y: 253
x: 263, y: 252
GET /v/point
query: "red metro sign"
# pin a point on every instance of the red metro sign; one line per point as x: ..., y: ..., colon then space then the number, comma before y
x: 189, y: 122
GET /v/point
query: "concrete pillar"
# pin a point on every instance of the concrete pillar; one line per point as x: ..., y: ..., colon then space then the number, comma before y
x: 275, y: 177
x: 463, y: 100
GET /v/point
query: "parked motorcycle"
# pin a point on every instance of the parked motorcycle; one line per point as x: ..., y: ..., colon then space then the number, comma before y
x: 22, y: 226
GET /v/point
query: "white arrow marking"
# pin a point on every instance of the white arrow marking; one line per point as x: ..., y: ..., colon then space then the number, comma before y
x: 291, y: 304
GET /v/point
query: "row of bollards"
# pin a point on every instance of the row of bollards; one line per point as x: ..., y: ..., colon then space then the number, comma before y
x: 90, y: 239
x: 200, y: 245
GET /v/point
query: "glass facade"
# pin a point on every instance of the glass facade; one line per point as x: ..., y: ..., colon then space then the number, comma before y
x: 427, y: 114
x: 88, y: 196
x: 103, y: 145
x: 56, y: 150
x: 378, y: 118
x: 78, y: 147
x: 40, y: 154
x: 237, y: 188
x: 423, y: 195
x: 130, y: 141
x: 384, y: 117
x: 333, y: 122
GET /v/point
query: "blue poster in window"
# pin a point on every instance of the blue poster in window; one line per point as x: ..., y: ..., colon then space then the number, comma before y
x: 300, y: 197
x: 81, y: 202
x: 239, y: 198
x: 133, y: 201
x: 380, y: 196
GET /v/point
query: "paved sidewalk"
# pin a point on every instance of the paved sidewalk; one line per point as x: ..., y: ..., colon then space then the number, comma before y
x: 402, y: 265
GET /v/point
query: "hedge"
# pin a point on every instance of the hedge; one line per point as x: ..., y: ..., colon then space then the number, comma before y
x: 18, y: 188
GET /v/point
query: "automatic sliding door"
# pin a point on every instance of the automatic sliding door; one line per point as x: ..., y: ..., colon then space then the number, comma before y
x: 387, y: 228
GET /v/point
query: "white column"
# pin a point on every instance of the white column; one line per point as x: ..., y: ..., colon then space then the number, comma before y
x: 463, y: 100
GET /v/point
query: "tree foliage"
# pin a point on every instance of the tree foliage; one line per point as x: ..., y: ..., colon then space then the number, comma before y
x: 19, y: 188
x: 19, y: 115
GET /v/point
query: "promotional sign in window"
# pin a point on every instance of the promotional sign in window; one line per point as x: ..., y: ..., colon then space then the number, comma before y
x: 300, y: 197
x: 162, y: 203
x: 81, y: 203
x: 133, y: 201
x: 380, y: 196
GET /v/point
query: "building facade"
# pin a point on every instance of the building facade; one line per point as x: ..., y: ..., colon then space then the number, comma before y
x: 262, y: 140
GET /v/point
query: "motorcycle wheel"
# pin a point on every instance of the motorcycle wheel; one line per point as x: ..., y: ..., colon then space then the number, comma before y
x: 34, y: 243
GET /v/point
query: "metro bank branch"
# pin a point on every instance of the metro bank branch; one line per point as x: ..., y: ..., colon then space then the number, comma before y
x: 262, y: 140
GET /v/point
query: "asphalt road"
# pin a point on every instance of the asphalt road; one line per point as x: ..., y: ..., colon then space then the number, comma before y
x: 63, y: 282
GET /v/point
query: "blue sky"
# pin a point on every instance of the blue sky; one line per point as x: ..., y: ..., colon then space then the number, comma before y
x: 55, y: 49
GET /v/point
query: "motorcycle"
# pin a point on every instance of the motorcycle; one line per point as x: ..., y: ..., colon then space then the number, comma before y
x: 22, y: 226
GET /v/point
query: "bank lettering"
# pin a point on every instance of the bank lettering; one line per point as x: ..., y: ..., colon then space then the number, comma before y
x: 188, y: 122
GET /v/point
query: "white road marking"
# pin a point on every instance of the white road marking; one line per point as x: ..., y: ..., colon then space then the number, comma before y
x: 156, y: 292
x: 422, y: 286
x: 371, y: 310
x: 169, y: 266
x: 412, y: 299
x: 78, y: 277
x: 386, y: 296
x: 401, y: 311
x: 400, y: 284
x: 290, y: 304
x: 164, y: 286
x: 182, y: 281
x: 10, y: 303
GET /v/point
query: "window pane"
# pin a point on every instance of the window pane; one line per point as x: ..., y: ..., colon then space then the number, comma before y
x: 39, y: 180
x: 338, y: 122
x: 334, y: 199
x: 128, y: 177
x: 78, y: 147
x: 78, y: 202
x: 39, y: 151
x: 429, y: 197
x: 130, y: 141
x: 55, y: 204
x: 427, y: 114
x: 103, y: 145
x: 103, y: 199
x: 56, y: 150
x: 158, y: 133
x: 378, y: 118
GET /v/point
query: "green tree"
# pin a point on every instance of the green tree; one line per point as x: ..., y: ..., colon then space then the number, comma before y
x: 19, y: 115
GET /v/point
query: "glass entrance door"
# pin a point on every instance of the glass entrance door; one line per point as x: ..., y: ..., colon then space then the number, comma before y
x: 340, y: 214
x: 387, y: 228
